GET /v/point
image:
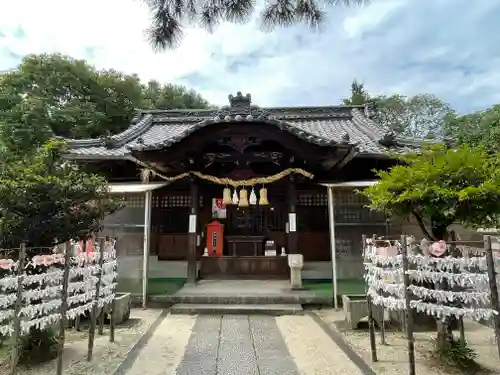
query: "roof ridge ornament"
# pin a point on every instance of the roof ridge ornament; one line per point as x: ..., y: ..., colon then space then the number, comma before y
x: 241, y: 109
x: 239, y: 102
x: 370, y: 110
x: 388, y: 140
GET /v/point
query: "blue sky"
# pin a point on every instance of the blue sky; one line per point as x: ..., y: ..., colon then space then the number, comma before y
x: 450, y: 48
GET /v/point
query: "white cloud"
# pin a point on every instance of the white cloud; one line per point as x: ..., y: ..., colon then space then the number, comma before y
x: 406, y: 46
x: 364, y: 21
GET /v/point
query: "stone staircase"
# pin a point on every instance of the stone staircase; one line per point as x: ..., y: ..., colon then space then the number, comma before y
x: 270, y: 297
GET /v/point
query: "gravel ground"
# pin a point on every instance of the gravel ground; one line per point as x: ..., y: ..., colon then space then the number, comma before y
x: 164, y: 350
x: 393, y: 358
x: 106, y: 356
x: 312, y: 349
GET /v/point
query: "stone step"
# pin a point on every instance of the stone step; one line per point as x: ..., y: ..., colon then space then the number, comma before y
x: 240, y: 299
x: 274, y: 309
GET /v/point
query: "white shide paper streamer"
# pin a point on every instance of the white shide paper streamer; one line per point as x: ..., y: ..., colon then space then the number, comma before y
x: 45, y: 289
x: 385, y: 285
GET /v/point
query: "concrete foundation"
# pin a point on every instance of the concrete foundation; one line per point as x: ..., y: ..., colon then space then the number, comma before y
x: 123, y: 304
x: 356, y: 309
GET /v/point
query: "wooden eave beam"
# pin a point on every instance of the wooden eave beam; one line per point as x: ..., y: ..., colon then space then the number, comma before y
x: 338, y: 160
x: 351, y: 154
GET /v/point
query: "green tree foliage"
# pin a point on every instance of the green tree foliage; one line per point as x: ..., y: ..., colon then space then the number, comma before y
x: 441, y: 186
x: 358, y: 96
x: 477, y: 128
x: 419, y: 116
x: 43, y: 198
x: 168, y: 16
x: 46, y: 200
x: 170, y: 96
x: 54, y: 94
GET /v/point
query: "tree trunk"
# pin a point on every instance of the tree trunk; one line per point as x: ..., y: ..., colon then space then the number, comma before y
x: 444, y: 325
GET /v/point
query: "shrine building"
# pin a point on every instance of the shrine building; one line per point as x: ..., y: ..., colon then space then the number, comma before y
x: 280, y: 181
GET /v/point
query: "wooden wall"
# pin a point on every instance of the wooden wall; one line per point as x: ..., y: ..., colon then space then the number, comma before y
x: 169, y: 237
x: 352, y: 217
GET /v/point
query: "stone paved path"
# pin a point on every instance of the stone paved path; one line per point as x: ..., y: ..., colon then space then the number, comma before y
x: 241, y: 345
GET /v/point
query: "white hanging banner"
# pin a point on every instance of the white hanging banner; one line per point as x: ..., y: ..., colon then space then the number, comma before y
x: 292, y: 220
x: 192, y: 223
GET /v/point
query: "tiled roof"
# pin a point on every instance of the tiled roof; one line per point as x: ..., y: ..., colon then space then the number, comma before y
x: 324, y: 126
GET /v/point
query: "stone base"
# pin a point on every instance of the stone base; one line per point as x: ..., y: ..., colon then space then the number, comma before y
x: 296, y: 278
x: 356, y: 308
x: 123, y: 303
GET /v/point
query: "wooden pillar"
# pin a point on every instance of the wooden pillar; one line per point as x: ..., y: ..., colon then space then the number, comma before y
x: 147, y: 244
x: 192, y: 269
x: 292, y: 215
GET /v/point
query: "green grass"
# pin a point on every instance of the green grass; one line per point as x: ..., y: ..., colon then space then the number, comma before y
x: 344, y: 286
x: 170, y: 286
x: 155, y: 286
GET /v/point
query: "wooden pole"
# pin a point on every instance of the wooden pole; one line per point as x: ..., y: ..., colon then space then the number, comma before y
x: 96, y: 300
x: 408, y: 311
x: 78, y: 317
x: 192, y: 272
x: 14, y: 358
x: 371, y: 323
x: 101, y: 320
x: 382, y: 323
x: 455, y: 253
x: 291, y: 200
x: 382, y: 327
x: 102, y: 315
x: 371, y: 327
x: 64, y: 308
x: 495, y: 304
x: 462, y: 329
x: 112, y: 321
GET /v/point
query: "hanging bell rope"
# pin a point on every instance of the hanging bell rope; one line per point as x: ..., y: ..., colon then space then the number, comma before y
x: 148, y: 173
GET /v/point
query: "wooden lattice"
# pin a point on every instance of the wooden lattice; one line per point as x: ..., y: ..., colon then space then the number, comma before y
x: 167, y: 201
x: 133, y: 200
x: 312, y: 199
